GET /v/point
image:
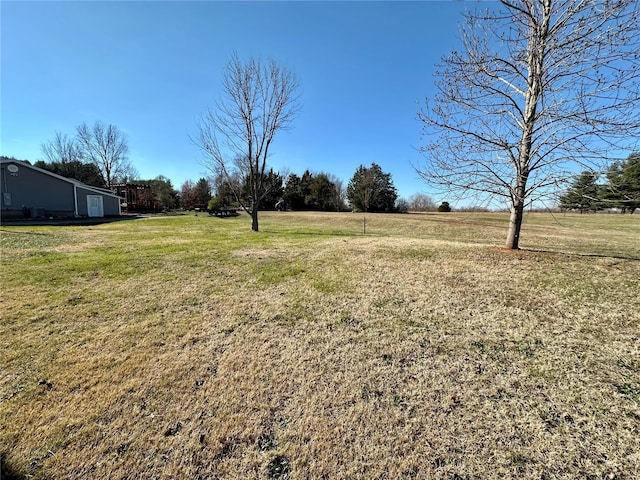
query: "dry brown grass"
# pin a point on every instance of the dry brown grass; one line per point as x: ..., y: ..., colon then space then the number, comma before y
x: 191, y: 348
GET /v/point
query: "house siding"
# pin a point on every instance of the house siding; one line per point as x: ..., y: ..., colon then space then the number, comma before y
x: 32, y: 192
x: 110, y: 204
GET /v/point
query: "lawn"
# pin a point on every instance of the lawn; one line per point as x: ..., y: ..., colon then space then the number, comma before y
x: 190, y: 347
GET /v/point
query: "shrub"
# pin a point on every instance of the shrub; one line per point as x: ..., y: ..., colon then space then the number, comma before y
x: 444, y: 207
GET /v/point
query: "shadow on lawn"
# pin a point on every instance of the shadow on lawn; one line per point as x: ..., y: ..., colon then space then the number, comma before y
x: 322, y: 233
x: 7, y: 472
x: 65, y: 222
x: 587, y: 255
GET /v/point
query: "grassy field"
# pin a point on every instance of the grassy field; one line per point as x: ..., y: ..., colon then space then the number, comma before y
x: 190, y: 347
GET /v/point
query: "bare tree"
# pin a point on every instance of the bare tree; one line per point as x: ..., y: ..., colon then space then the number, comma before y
x: 106, y: 147
x: 62, y: 149
x: 541, y: 88
x: 126, y: 173
x: 339, y: 191
x: 420, y: 202
x: 259, y: 100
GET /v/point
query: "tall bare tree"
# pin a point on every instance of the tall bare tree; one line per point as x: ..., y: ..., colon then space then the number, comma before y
x: 339, y: 191
x: 62, y: 149
x: 420, y: 202
x: 541, y: 89
x: 259, y: 100
x: 106, y: 147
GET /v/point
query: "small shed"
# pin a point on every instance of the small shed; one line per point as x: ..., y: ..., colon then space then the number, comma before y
x: 31, y: 192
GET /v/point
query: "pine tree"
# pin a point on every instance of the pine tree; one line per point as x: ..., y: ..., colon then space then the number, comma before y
x: 583, y: 194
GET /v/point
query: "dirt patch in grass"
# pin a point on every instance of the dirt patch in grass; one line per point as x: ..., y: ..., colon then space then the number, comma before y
x: 408, y: 353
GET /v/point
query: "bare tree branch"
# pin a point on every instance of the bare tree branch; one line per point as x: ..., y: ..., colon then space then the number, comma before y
x: 259, y: 100
x: 106, y: 147
x: 541, y: 88
x: 62, y: 149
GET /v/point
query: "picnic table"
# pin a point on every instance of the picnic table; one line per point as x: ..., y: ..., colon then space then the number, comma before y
x: 224, y: 212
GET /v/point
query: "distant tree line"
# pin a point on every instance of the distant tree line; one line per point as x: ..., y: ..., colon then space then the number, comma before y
x: 98, y: 156
x: 310, y: 191
x: 370, y: 189
x: 321, y: 191
x: 86, y: 173
x: 621, y: 189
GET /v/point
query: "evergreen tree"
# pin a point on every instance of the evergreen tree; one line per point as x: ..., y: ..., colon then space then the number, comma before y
x: 163, y: 192
x: 444, y: 207
x: 322, y: 193
x: 293, y: 194
x: 313, y: 192
x: 623, y: 189
x: 87, y: 173
x: 372, y: 190
x: 305, y: 189
x: 203, y: 191
x: 583, y: 194
x: 273, y: 190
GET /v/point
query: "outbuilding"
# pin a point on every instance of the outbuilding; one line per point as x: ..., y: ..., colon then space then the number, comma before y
x: 31, y: 192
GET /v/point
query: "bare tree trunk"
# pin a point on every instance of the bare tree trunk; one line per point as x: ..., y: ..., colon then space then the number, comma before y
x: 539, y: 88
x: 254, y: 220
x: 260, y: 100
x: 518, y: 197
x: 515, y: 224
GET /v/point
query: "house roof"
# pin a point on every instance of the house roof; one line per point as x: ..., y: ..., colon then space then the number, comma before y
x: 73, y: 181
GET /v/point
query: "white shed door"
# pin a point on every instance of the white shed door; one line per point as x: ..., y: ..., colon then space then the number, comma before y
x: 94, y: 206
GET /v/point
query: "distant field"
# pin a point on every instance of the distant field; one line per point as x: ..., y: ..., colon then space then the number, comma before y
x: 190, y: 347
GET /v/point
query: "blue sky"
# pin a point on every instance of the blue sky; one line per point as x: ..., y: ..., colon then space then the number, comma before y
x: 152, y: 68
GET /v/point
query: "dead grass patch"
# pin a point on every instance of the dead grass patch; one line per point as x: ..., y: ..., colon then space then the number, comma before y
x: 310, y: 351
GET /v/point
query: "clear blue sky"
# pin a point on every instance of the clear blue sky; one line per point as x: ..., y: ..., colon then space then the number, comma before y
x: 151, y: 68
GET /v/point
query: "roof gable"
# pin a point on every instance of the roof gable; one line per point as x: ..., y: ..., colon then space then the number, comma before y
x: 72, y: 181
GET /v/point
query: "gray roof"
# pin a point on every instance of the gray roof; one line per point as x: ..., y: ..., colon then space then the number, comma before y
x: 73, y: 181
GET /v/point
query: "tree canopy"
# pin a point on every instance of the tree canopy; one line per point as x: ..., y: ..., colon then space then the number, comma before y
x: 320, y: 191
x: 621, y: 189
x: 623, y: 178
x: 583, y: 194
x: 62, y: 149
x: 87, y: 173
x: 371, y: 190
x: 273, y: 187
x: 165, y: 195
x: 106, y: 147
x: 420, y: 202
x: 102, y: 146
x: 196, y: 194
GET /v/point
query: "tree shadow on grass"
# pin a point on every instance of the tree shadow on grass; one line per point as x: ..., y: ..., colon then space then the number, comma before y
x: 321, y: 233
x: 584, y: 255
x: 67, y: 222
x: 8, y: 472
